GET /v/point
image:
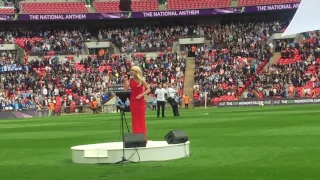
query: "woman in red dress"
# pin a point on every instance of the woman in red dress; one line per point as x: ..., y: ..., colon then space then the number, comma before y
x: 139, y: 88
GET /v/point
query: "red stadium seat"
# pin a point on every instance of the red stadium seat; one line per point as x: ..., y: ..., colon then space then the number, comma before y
x: 6, y: 10
x: 197, y: 4
x: 137, y: 5
x: 54, y: 8
x: 264, y: 2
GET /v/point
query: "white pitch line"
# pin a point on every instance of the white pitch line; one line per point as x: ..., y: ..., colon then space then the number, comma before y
x: 39, y: 125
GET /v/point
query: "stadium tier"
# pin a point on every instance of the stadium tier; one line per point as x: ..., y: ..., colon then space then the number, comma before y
x: 54, y: 7
x: 137, y: 5
x: 264, y: 2
x: 196, y: 4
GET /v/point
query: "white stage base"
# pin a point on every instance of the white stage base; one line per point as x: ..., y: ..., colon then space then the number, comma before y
x: 112, y: 152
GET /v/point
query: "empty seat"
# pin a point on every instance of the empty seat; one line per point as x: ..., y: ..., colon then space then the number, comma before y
x: 56, y: 7
x: 197, y: 4
x: 264, y: 2
x: 136, y: 5
x: 6, y: 10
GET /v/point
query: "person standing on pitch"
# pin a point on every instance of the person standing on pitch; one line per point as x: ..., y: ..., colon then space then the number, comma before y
x: 186, y: 101
x: 119, y: 103
x: 171, y: 99
x: 154, y: 103
x: 161, y: 99
x: 139, y: 88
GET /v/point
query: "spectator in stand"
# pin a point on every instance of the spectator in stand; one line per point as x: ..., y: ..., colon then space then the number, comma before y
x: 237, y: 53
x: 296, y: 74
x: 38, y: 80
x: 8, y: 56
x: 153, y: 38
x: 40, y: 42
x: 8, y: 3
x: 168, y: 67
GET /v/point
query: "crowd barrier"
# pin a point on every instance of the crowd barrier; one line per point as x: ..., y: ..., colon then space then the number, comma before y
x: 256, y: 102
x: 107, y: 108
x: 269, y: 102
x: 4, y: 115
x: 112, y: 108
x: 49, y: 53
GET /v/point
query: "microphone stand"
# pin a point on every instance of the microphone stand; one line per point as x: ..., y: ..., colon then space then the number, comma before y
x: 123, y: 119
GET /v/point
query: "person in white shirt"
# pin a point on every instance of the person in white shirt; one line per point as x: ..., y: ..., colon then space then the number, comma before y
x: 171, y: 99
x: 170, y: 91
x: 161, y: 99
x: 45, y: 91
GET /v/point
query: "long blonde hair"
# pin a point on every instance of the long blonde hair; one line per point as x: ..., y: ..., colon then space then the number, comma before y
x: 138, y: 75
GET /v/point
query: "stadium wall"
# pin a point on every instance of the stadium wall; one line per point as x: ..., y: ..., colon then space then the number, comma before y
x: 6, y: 115
x: 269, y: 102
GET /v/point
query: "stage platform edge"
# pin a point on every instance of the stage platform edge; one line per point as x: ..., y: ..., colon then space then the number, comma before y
x: 110, y: 153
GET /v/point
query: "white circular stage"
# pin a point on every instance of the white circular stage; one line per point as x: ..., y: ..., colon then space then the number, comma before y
x: 112, y: 152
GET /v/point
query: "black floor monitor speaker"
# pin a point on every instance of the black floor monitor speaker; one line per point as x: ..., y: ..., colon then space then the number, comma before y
x: 135, y: 140
x: 125, y: 5
x: 176, y: 137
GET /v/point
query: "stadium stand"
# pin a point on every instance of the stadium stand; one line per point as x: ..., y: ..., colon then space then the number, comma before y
x: 227, y: 66
x: 295, y: 74
x: 143, y: 39
x: 166, y: 68
x: 264, y: 2
x: 51, y: 42
x: 196, y: 4
x: 44, y: 78
x: 137, y: 5
x: 78, y: 83
x: 239, y: 52
x: 6, y: 10
x: 68, y: 82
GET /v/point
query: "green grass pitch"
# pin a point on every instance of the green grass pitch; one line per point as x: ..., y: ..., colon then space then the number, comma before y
x: 252, y: 143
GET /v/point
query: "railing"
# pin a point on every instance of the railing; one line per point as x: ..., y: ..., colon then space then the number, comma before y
x: 139, y: 49
x: 6, y: 42
x: 191, y: 36
x: 46, y: 53
x: 196, y: 104
x: 271, y: 101
x: 61, y: 52
x: 63, y: 110
x: 152, y: 49
x: 6, y: 112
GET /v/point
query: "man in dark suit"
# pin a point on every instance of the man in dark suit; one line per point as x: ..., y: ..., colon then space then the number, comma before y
x: 174, y: 105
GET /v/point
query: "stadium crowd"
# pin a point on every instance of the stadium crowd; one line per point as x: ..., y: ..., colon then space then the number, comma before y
x: 238, y: 52
x: 68, y: 84
x: 150, y: 38
x: 167, y: 68
x: 43, y: 41
x: 296, y: 73
x: 46, y: 80
x: 228, y: 69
